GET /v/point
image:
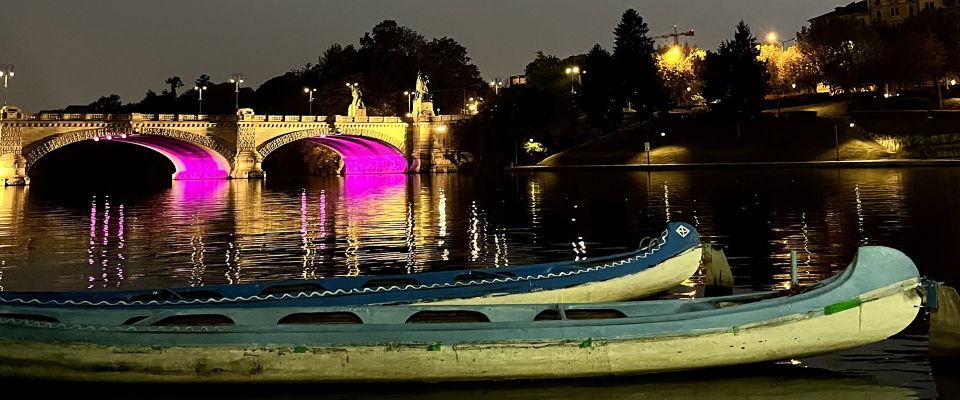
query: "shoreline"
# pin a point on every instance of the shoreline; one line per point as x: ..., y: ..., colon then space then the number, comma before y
x: 747, y: 165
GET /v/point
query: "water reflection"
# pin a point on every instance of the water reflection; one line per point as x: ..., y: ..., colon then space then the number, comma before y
x: 773, y: 382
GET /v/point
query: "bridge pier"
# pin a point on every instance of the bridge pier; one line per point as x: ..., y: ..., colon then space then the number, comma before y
x: 247, y: 163
x: 13, y: 166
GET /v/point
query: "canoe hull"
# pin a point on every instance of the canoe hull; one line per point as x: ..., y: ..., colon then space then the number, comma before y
x: 666, y: 275
x: 882, y: 313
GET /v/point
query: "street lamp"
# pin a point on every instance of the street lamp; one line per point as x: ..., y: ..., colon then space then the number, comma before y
x: 773, y: 38
x: 574, y: 70
x: 409, y: 105
x: 200, y: 90
x: 309, y: 92
x: 496, y: 84
x: 236, y: 79
x: 6, y: 71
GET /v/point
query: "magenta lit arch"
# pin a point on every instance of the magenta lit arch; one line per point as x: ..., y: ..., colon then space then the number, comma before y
x: 191, y: 161
x: 365, y: 156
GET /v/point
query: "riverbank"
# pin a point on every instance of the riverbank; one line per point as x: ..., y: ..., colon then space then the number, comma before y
x: 791, y: 139
x: 731, y: 165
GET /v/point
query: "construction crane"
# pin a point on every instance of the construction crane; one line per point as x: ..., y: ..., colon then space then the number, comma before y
x: 675, y: 35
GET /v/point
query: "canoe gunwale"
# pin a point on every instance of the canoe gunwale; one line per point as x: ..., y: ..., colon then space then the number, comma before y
x: 546, y: 272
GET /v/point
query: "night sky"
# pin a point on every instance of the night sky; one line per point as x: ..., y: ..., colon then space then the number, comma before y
x: 72, y: 52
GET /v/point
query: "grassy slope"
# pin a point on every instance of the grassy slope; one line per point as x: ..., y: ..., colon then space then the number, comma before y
x: 704, y: 139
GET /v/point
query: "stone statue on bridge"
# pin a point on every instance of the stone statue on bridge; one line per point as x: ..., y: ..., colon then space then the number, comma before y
x: 423, y: 100
x: 356, y: 109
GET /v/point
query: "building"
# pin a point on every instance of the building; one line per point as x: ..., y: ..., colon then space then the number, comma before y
x: 891, y: 12
x: 518, y: 80
x: 857, y: 10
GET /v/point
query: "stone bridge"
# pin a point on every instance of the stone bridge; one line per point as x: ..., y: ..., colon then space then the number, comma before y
x: 232, y: 146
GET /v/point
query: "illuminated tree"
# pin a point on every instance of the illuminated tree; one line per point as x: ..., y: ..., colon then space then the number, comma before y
x: 677, y: 70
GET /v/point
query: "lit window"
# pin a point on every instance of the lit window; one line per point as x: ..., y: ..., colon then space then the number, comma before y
x: 895, y: 11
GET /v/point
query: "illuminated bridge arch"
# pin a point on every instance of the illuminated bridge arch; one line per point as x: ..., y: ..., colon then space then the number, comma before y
x: 360, y: 154
x: 193, y: 156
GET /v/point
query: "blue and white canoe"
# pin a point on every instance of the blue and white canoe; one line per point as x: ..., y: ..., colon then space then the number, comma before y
x: 658, y: 264
x: 877, y: 296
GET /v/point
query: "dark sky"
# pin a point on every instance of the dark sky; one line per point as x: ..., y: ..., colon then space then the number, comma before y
x: 74, y: 51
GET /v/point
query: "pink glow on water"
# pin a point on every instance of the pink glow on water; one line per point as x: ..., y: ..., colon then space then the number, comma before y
x: 365, y: 156
x: 191, y: 161
x: 200, y: 195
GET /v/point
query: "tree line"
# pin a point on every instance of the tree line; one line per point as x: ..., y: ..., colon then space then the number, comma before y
x: 557, y: 109
x: 385, y: 64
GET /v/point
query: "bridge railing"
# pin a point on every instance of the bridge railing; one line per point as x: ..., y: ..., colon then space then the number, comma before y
x: 226, y: 118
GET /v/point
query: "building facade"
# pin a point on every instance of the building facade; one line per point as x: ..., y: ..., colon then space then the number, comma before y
x: 893, y: 12
x: 890, y: 12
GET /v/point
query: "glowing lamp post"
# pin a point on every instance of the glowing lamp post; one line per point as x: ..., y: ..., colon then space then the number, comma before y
x: 774, y: 39
x: 200, y: 90
x: 309, y: 92
x: 6, y: 71
x: 236, y: 79
x: 570, y: 71
x: 496, y: 84
x: 409, y: 106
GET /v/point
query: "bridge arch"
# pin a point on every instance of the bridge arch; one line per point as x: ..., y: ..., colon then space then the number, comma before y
x: 359, y: 154
x: 193, y: 156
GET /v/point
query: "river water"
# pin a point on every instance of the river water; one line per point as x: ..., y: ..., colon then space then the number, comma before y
x: 109, y: 236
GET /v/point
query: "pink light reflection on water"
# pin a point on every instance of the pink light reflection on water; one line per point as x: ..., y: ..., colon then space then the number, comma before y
x: 191, y: 161
x: 365, y: 156
x: 369, y: 191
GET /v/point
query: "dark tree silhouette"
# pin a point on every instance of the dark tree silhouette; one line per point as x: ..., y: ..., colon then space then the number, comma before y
x: 735, y: 81
x: 106, y: 104
x: 600, y: 97
x: 633, y: 52
x: 175, y: 82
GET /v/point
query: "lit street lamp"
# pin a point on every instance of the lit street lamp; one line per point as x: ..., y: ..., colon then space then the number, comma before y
x: 409, y: 105
x: 200, y: 90
x: 6, y: 71
x: 773, y: 38
x: 836, y: 136
x: 496, y: 84
x: 573, y: 71
x: 236, y: 79
x: 309, y: 92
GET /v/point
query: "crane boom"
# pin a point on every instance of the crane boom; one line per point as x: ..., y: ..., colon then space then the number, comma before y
x: 675, y: 35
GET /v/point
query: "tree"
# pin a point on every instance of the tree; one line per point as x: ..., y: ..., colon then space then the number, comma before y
x: 676, y: 66
x: 203, y: 80
x: 845, y: 50
x: 600, y: 97
x: 546, y: 73
x: 797, y: 67
x: 634, y: 53
x: 174, y: 82
x: 106, y: 105
x: 447, y: 64
x: 735, y: 80
x: 390, y: 58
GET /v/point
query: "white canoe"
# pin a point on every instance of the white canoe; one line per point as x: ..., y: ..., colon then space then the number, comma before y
x: 876, y: 297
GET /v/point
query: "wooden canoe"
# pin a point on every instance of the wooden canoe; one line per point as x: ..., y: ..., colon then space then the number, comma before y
x: 877, y: 296
x: 659, y: 264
